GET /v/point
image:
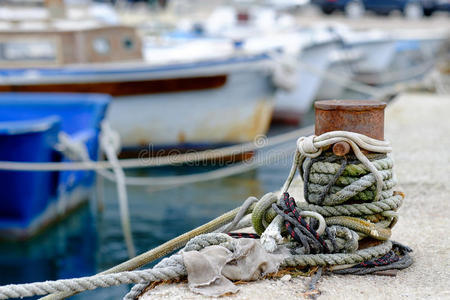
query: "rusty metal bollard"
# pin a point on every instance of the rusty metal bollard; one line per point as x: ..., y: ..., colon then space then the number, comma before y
x: 360, y: 116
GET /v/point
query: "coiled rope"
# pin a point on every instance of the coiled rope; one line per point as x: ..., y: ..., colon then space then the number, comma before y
x: 331, y: 181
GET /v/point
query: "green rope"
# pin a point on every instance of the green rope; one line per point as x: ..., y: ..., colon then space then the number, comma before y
x: 329, y: 186
x: 357, y: 170
x: 357, y: 209
x: 337, y: 258
x: 343, y: 191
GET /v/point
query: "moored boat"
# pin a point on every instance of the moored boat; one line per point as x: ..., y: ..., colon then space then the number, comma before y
x: 311, y: 59
x: 391, y: 57
x: 296, y: 50
x: 416, y: 53
x: 30, y: 125
x: 377, y: 48
x: 343, y: 62
x: 163, y: 103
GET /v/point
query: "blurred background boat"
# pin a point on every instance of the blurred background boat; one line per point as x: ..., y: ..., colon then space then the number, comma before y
x: 342, y: 63
x: 391, y: 57
x: 292, y: 48
x: 416, y: 53
x: 377, y: 47
x: 161, y: 102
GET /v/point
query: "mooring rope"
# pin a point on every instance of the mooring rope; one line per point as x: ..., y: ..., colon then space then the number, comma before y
x: 324, y: 233
x: 169, y: 246
x: 173, y: 268
x: 110, y: 143
x: 170, y: 160
x: 309, y: 149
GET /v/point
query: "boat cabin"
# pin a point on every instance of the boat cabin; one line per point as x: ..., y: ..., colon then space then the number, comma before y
x: 60, y: 47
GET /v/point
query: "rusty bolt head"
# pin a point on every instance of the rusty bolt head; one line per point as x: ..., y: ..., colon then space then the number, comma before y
x: 341, y: 148
x: 360, y: 116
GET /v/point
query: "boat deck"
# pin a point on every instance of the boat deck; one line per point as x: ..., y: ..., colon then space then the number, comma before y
x: 418, y: 126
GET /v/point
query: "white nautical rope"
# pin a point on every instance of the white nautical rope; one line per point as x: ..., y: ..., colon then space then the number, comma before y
x: 91, y: 282
x: 237, y: 168
x: 110, y: 143
x: 73, y: 149
x: 170, y: 181
x: 157, y: 161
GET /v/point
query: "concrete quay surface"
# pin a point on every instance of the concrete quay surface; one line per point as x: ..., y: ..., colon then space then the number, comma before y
x: 418, y: 125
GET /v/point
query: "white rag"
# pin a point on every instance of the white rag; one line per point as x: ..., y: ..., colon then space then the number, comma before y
x: 211, y: 269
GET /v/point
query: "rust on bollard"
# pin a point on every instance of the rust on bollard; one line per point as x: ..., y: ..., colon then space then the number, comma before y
x: 361, y: 116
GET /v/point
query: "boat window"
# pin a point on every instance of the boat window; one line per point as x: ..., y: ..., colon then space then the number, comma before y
x: 101, y: 45
x: 128, y: 43
x: 23, y: 50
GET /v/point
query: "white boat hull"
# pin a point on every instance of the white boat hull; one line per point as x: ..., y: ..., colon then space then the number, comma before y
x: 237, y: 112
x: 411, y: 60
x: 290, y: 106
x: 377, y: 57
x: 343, y: 62
x: 330, y: 89
x: 204, y: 103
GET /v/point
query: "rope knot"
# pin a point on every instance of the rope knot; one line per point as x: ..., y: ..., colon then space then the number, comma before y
x: 297, y: 227
x: 72, y: 148
x: 306, y: 147
x: 110, y: 138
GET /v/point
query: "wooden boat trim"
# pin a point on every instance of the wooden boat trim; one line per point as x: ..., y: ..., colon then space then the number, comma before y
x: 126, y: 88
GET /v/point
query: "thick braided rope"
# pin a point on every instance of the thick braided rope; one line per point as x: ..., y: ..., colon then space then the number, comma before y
x: 272, y: 234
x: 169, y: 268
x: 398, y: 258
x: 307, y: 260
x: 335, y: 183
x: 263, y: 209
x: 312, y: 147
x: 162, y: 250
x: 196, y: 243
x: 337, y: 258
x: 136, y: 290
x: 174, y: 268
x: 358, y: 209
x: 324, y: 167
x: 90, y: 283
x: 360, y: 183
x: 328, y: 194
x: 359, y: 188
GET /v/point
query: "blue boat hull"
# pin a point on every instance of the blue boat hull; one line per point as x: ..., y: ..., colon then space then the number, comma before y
x: 29, y: 128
